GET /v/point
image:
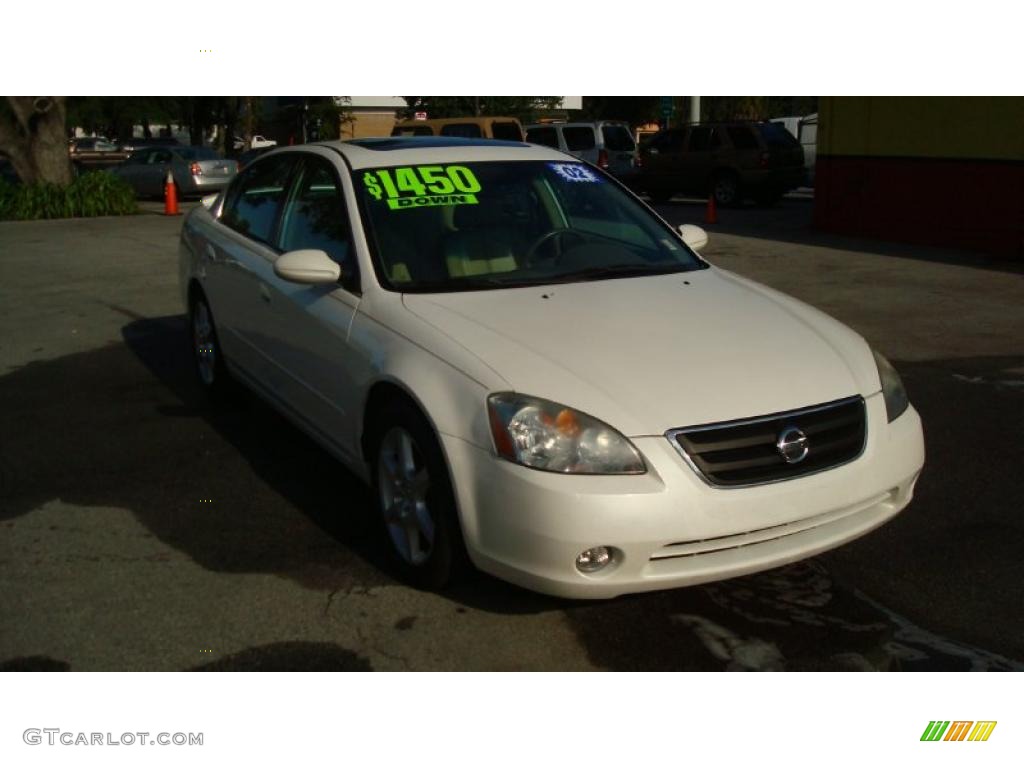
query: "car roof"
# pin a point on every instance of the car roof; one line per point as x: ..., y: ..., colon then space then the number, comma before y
x: 578, y: 124
x: 418, y: 150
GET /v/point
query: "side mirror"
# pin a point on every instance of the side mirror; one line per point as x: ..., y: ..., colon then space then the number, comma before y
x: 693, y: 236
x: 308, y: 266
x: 209, y: 200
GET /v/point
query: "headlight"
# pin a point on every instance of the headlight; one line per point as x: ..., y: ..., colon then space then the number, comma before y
x: 544, y: 435
x: 895, y: 395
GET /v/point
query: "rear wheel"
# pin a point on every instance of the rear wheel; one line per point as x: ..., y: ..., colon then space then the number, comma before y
x: 726, y: 188
x: 206, y: 352
x: 414, y: 497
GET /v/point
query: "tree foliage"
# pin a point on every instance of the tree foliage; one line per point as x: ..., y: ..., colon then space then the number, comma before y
x: 635, y: 110
x: 523, y: 107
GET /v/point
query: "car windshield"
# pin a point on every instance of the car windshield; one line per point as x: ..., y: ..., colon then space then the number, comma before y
x: 477, y: 226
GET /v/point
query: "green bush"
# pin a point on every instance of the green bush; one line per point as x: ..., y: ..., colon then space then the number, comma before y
x: 92, y: 194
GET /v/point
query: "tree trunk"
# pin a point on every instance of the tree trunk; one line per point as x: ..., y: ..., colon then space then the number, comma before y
x: 250, y: 122
x: 34, y: 136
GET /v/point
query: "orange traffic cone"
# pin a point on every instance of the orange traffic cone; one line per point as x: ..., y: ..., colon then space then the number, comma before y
x: 711, y: 212
x: 170, y: 197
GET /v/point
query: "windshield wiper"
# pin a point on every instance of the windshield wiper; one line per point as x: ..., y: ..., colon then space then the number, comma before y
x: 616, y: 270
x: 455, y: 285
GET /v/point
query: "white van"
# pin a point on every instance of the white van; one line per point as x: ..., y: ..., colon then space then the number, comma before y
x: 605, y: 143
x: 805, y: 129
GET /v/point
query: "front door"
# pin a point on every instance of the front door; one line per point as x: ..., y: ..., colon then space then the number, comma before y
x: 306, y: 326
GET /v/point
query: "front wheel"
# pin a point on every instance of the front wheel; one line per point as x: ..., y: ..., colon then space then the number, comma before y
x: 414, y: 498
x: 206, y: 352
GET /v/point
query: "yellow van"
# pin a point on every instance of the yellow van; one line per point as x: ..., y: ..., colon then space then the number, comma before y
x: 504, y: 128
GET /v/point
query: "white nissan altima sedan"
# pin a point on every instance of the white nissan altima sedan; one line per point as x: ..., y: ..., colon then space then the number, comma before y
x: 535, y: 372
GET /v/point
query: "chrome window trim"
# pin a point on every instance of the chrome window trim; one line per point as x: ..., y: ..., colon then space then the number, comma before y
x: 671, y: 435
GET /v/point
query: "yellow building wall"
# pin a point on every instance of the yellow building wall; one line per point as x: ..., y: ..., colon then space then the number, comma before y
x: 368, y: 124
x: 977, y: 127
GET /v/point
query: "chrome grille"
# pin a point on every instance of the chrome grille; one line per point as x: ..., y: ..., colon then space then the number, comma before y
x: 740, y: 453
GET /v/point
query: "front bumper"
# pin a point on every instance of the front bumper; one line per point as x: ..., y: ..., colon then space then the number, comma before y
x: 668, y: 527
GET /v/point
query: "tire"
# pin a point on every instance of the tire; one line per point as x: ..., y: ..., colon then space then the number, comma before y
x: 207, y: 357
x: 725, y: 186
x: 414, y: 499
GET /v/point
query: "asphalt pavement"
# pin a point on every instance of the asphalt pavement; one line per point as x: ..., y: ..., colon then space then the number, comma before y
x: 141, y: 530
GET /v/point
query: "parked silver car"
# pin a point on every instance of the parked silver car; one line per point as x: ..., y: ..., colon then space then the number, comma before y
x: 605, y: 143
x: 196, y: 171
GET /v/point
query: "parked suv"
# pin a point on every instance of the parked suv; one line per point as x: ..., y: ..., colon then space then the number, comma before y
x: 606, y: 144
x: 732, y: 161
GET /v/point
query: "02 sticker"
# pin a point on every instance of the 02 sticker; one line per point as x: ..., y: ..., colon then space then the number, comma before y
x: 422, y: 185
x: 575, y: 172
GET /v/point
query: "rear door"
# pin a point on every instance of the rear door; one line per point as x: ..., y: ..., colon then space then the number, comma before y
x: 746, y: 149
x: 154, y: 173
x: 699, y: 160
x: 662, y: 161
x: 620, y: 146
x: 240, y: 262
x: 132, y: 169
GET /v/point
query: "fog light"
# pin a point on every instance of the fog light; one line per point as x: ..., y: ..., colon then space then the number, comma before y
x: 594, y: 559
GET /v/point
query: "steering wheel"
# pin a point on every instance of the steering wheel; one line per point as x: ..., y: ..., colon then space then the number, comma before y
x: 552, y: 235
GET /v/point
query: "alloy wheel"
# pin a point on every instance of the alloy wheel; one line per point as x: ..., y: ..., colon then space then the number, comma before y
x: 403, y: 486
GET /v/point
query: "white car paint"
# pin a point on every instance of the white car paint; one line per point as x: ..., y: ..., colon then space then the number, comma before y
x: 644, y: 355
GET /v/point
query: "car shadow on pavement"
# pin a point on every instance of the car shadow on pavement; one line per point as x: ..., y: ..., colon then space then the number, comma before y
x: 241, y: 490
x: 238, y: 490
x: 290, y: 657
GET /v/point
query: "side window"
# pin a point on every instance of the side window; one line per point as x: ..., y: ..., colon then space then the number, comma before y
x: 579, y: 138
x: 716, y: 139
x: 462, y: 130
x: 546, y: 135
x: 141, y: 157
x: 159, y: 156
x: 742, y: 137
x: 700, y: 138
x: 506, y: 132
x: 618, y: 138
x: 316, y: 217
x: 255, y: 199
x: 412, y: 130
x: 668, y: 141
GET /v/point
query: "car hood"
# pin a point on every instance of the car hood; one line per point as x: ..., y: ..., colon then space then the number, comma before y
x: 651, y: 353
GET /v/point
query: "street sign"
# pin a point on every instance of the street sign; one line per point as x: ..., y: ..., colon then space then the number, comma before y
x: 667, y: 106
x: 420, y: 116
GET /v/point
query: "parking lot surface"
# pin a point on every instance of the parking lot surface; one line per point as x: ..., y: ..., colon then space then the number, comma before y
x: 143, y: 530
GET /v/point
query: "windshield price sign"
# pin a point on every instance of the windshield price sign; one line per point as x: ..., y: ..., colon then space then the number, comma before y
x: 422, y: 185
